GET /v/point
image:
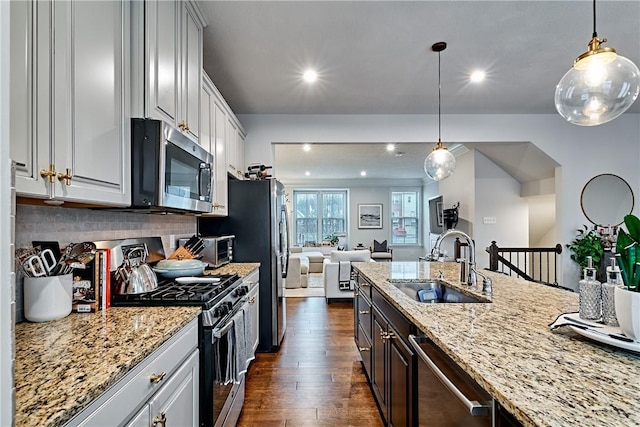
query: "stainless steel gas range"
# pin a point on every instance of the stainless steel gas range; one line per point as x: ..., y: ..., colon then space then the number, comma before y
x: 223, y: 360
x: 224, y: 333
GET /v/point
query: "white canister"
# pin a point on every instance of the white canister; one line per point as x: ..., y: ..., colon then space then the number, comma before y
x: 628, y: 312
x: 47, y: 298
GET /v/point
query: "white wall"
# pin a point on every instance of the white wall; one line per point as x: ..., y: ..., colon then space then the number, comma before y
x: 459, y: 187
x: 6, y: 232
x: 497, y: 195
x: 583, y: 152
x: 542, y: 220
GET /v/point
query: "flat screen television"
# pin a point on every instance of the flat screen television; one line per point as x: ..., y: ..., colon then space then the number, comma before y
x: 436, y: 221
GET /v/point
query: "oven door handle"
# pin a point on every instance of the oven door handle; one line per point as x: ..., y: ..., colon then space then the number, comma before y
x: 227, y: 323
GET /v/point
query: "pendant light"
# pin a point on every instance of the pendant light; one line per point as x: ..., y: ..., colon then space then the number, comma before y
x: 440, y: 163
x: 599, y: 87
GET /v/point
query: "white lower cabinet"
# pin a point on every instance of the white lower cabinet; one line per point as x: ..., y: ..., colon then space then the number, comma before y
x: 176, y: 403
x: 252, y: 281
x: 162, y: 390
x: 141, y: 419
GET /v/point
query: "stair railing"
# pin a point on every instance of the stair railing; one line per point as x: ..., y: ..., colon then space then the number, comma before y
x: 527, y: 263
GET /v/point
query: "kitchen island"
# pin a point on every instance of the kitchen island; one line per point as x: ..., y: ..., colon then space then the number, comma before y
x: 543, y: 378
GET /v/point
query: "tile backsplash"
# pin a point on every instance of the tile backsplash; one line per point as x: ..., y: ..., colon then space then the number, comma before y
x: 70, y: 225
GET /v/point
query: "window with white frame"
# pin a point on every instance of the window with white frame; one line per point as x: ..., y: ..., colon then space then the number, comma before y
x: 318, y: 215
x: 405, y: 216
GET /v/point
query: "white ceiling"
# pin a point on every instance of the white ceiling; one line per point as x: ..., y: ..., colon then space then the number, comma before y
x: 522, y: 160
x: 374, y: 57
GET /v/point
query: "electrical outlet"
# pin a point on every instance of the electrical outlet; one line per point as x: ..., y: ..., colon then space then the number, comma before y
x: 489, y: 220
x: 172, y: 241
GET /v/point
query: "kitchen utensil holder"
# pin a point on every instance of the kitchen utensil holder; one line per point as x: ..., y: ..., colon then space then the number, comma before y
x: 47, y: 298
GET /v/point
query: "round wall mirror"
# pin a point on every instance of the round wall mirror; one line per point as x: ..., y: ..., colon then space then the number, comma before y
x: 606, y: 199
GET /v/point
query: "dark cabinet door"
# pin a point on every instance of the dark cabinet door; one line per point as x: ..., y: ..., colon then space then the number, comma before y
x: 362, y: 327
x: 363, y: 312
x: 400, y: 380
x: 379, y: 360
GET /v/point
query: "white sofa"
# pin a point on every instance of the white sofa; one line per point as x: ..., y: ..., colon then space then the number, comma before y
x: 302, y: 261
x: 338, y: 280
x: 297, y: 272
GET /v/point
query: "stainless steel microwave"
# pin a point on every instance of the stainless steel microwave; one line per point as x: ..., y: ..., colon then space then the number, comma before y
x: 169, y: 171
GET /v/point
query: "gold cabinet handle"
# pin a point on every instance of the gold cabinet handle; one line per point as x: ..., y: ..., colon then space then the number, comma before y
x: 160, y: 419
x: 252, y: 300
x: 65, y: 177
x: 364, y: 348
x: 184, y: 126
x: 156, y: 378
x: 51, y: 173
x: 387, y: 335
x: 363, y: 312
x: 218, y: 206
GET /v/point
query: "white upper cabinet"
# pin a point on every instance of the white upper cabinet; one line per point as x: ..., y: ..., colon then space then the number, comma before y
x: 235, y: 148
x: 191, y: 67
x: 70, y: 100
x: 213, y: 120
x: 167, y: 62
x: 223, y: 135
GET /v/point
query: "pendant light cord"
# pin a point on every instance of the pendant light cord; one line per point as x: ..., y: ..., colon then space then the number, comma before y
x: 595, y: 34
x: 439, y: 98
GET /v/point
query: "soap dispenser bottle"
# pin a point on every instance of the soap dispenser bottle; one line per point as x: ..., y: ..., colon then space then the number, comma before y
x: 590, y: 294
x: 608, y: 290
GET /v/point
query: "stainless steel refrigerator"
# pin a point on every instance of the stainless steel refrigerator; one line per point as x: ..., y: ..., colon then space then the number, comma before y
x: 258, y: 219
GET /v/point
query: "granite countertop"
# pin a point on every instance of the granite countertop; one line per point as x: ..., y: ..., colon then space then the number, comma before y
x: 242, y: 269
x: 544, y: 378
x: 61, y: 366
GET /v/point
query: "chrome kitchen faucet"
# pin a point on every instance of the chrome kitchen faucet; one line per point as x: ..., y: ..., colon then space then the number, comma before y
x: 470, y: 262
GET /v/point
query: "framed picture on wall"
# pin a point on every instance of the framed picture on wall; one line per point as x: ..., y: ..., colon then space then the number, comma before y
x: 370, y: 216
x: 436, y: 220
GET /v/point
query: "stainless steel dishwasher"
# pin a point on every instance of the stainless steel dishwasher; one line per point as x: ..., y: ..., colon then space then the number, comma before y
x: 447, y: 396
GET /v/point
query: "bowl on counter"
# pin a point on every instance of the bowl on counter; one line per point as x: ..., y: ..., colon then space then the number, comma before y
x: 172, y: 268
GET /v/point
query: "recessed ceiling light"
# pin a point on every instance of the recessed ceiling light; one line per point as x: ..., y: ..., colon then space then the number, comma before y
x: 391, y: 147
x: 307, y: 173
x: 310, y: 76
x: 363, y: 173
x: 306, y: 147
x: 477, y: 76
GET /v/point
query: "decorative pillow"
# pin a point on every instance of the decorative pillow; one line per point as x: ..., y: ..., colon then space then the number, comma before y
x: 379, y: 246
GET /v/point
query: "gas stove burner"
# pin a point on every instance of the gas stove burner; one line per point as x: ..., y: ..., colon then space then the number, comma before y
x: 170, y: 293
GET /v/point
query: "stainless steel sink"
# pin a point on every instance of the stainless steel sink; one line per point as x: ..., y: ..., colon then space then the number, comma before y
x: 435, y: 292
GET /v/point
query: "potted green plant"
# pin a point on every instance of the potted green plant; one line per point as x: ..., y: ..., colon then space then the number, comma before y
x: 586, y: 243
x: 333, y: 239
x: 627, y: 298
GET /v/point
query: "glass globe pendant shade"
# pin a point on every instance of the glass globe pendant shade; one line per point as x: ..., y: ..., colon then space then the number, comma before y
x: 598, y: 88
x: 440, y: 163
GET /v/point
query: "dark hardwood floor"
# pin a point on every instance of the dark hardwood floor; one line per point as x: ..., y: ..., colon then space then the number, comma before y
x: 316, y: 379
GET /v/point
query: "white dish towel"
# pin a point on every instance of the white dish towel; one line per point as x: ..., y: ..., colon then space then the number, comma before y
x: 344, y: 275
